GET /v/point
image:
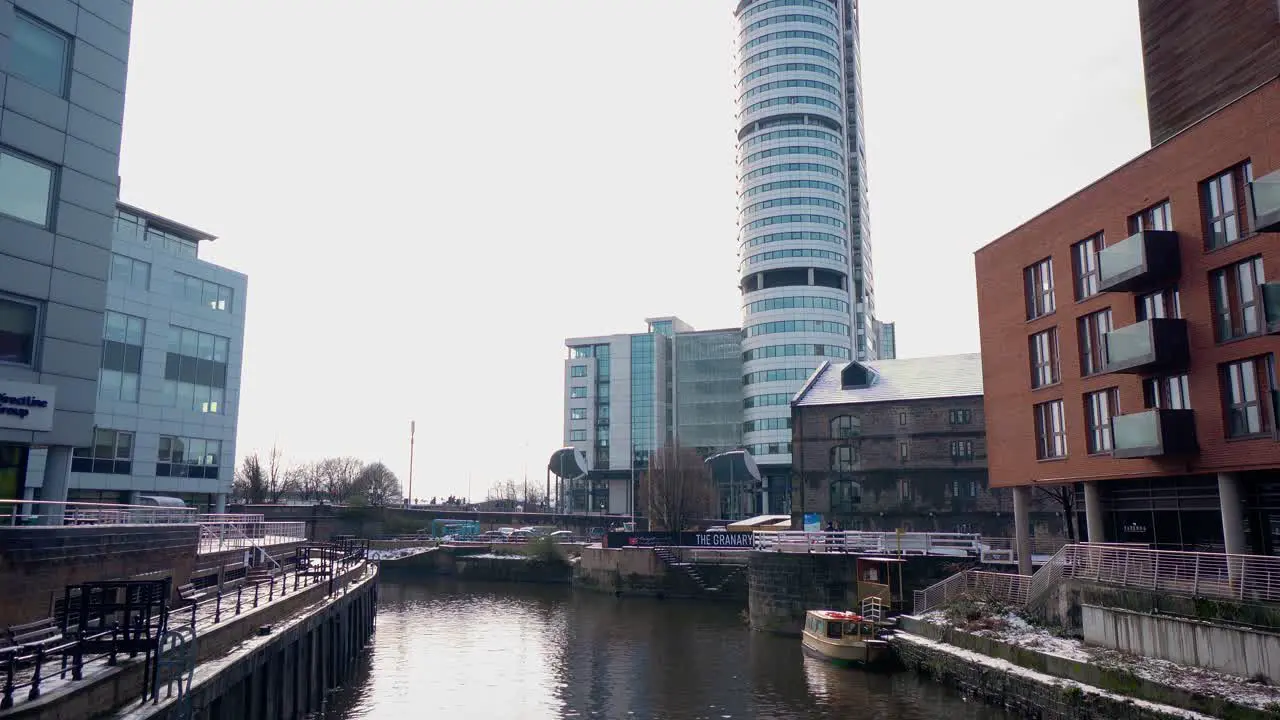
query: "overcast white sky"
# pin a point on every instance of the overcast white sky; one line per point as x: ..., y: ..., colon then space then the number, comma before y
x: 428, y: 196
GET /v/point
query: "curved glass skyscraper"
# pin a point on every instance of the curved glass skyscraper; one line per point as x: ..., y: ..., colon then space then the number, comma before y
x: 804, y: 252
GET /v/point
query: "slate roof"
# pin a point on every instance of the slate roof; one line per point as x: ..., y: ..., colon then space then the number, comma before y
x: 905, y: 379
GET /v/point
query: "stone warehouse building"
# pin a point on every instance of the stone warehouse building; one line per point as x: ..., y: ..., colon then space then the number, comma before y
x: 901, y: 444
x: 1129, y: 332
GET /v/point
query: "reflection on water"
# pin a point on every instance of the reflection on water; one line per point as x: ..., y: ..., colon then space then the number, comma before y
x: 517, y: 651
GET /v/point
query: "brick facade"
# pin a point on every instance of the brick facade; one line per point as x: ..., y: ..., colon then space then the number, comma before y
x: 1248, y: 129
x: 929, y: 490
x: 1201, y: 54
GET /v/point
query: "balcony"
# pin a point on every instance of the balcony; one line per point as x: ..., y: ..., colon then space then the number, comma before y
x: 1154, y: 433
x: 1155, y: 345
x: 1263, y: 197
x: 1269, y: 305
x: 1145, y: 261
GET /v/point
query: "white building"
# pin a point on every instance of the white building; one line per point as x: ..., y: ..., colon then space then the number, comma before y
x: 169, y: 377
x: 804, y: 252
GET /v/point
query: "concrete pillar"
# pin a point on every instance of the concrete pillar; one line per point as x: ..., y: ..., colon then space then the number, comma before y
x: 134, y: 497
x: 57, y: 472
x: 1095, y: 527
x: 1232, y: 513
x: 220, y: 503
x: 810, y: 276
x: 1022, y: 527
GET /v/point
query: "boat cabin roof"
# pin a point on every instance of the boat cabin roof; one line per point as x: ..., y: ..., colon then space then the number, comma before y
x: 835, y: 615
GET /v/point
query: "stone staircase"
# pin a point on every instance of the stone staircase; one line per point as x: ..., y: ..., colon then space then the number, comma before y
x: 671, y: 560
x: 259, y: 574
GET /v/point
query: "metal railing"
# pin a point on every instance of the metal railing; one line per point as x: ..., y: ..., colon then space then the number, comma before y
x: 1004, y: 551
x: 29, y: 666
x: 240, y: 534
x: 1009, y: 588
x: 948, y: 544
x: 49, y: 512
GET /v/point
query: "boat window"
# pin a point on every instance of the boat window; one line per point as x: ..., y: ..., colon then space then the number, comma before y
x: 833, y: 630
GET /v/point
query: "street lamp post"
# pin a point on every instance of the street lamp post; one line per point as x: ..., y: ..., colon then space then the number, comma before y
x: 413, y: 427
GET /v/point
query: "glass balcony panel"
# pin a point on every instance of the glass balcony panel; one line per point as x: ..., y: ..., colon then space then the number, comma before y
x: 1137, y: 430
x: 1269, y: 301
x: 1130, y: 345
x: 1264, y: 202
x: 1125, y: 257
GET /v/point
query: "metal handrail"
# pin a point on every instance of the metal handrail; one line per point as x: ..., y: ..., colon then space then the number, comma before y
x: 52, y: 512
x: 908, y: 543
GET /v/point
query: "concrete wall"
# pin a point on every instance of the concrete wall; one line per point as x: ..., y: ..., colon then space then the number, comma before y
x: 37, y: 563
x: 782, y: 587
x: 1235, y: 650
x: 639, y: 572
x: 1062, y: 605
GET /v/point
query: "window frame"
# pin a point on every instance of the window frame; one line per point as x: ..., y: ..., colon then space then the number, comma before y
x: 1168, y: 298
x: 1100, y: 410
x: 1211, y: 192
x: 960, y: 416
x: 1092, y: 340
x: 1261, y: 368
x: 1237, y: 312
x: 52, y: 196
x: 1052, y: 364
x: 841, y: 464
x: 1038, y: 289
x: 1085, y: 267
x: 962, y: 450
x: 1050, y: 422
x: 578, y: 413
x: 1158, y: 392
x: 118, y: 465
x: 1143, y: 220
x: 37, y: 334
x: 68, y: 48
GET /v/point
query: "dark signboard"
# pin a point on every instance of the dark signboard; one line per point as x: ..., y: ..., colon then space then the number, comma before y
x: 684, y: 539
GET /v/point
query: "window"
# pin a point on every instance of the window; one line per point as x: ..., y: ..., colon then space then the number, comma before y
x: 130, y: 272
x: 111, y: 454
x: 188, y: 457
x: 843, y: 458
x: 210, y: 294
x: 782, y: 423
x: 1093, y: 350
x: 1038, y: 283
x: 960, y: 417
x: 767, y: 400
x: 121, y: 357
x: 26, y: 188
x: 1246, y: 395
x: 777, y: 375
x: 771, y: 351
x: 39, y: 54
x: 1172, y: 392
x: 578, y: 391
x: 1084, y: 258
x: 904, y: 451
x: 577, y: 435
x: 788, y: 326
x: 904, y: 489
x: 18, y: 323
x: 1235, y: 299
x: 1219, y: 197
x: 1044, y: 358
x: 844, y: 426
x: 902, y: 418
x: 1099, y: 408
x: 1156, y: 217
x: 578, y: 371
x: 1051, y: 430
x: 578, y: 414
x: 961, y: 450
x: 1165, y: 303
x: 195, y: 370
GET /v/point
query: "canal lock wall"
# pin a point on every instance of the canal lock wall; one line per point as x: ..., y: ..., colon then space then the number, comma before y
x: 1048, y: 687
x: 639, y: 572
x: 286, y: 674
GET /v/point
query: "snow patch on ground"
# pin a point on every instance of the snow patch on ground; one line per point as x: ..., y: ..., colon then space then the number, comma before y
x: 396, y: 554
x: 1014, y: 629
x: 1008, y: 667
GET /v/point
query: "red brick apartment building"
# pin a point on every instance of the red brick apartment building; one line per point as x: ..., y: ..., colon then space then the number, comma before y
x: 1129, y: 333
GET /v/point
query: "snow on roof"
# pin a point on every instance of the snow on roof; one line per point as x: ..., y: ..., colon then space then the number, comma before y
x: 894, y: 380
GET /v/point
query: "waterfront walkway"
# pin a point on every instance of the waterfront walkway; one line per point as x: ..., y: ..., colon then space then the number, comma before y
x: 37, y: 675
x: 989, y: 551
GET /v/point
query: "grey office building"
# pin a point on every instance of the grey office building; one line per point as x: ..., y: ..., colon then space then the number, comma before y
x: 62, y: 80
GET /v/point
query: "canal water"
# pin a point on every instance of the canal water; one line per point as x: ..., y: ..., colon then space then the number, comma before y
x: 528, y: 652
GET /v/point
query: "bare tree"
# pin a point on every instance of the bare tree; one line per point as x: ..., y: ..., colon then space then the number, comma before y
x: 336, y: 477
x: 503, y: 490
x: 1064, y: 497
x: 376, y: 485
x: 280, y: 480
x: 252, y: 478
x: 676, y: 488
x: 308, y: 481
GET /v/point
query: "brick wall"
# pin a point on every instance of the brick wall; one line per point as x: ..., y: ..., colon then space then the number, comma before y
x: 1201, y: 54
x: 37, y: 563
x: 929, y: 491
x: 1248, y: 129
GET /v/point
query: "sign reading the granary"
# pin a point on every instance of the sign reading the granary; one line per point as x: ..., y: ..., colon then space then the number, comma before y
x: 684, y: 539
x: 24, y: 406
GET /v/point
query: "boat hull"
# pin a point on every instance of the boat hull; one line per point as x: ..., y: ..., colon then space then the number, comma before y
x: 865, y: 654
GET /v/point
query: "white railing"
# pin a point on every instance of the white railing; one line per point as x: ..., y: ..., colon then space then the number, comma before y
x: 243, y: 535
x: 1215, y: 575
x: 1004, y: 551
x: 48, y: 512
x: 948, y: 544
x: 1009, y: 588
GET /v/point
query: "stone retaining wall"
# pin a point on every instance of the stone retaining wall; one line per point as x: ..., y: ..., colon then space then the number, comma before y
x: 1117, y: 680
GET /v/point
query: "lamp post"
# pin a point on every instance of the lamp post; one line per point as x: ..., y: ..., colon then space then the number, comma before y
x: 413, y: 427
